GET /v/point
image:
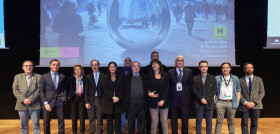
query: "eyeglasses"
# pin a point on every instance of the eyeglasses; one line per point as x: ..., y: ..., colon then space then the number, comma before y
x: 27, y: 65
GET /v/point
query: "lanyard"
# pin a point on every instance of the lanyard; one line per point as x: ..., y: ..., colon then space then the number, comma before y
x: 227, y: 83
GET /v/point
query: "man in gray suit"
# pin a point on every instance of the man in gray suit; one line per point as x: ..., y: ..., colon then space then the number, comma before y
x: 53, y: 94
x: 26, y: 90
x: 252, y: 93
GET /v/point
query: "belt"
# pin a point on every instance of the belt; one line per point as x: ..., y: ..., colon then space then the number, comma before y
x: 226, y: 100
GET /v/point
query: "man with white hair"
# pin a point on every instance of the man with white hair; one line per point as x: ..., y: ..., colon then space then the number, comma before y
x: 180, y: 87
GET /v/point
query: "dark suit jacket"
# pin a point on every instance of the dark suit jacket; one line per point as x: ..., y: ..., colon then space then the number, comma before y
x: 208, y: 90
x: 71, y: 87
x: 49, y: 93
x: 109, y: 88
x: 256, y: 94
x: 127, y: 89
x: 90, y: 88
x: 181, y: 97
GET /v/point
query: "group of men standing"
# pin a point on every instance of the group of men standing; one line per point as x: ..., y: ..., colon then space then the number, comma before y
x: 224, y: 92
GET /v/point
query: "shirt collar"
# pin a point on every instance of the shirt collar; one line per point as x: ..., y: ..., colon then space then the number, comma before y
x: 246, y: 77
x: 96, y: 73
x: 52, y: 73
x: 29, y: 76
x: 136, y: 74
x: 178, y: 69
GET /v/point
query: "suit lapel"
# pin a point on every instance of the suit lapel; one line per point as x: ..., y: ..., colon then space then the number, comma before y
x: 254, y: 84
x: 50, y: 79
x: 200, y: 81
x: 99, y: 80
x: 176, y: 74
x: 25, y: 82
x: 92, y: 79
x: 31, y: 80
x: 184, y: 74
x: 59, y: 80
x: 243, y: 80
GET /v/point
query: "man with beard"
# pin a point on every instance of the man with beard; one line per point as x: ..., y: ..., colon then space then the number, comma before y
x: 252, y: 93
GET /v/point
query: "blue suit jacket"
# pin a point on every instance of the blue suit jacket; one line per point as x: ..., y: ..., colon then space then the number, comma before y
x: 49, y: 93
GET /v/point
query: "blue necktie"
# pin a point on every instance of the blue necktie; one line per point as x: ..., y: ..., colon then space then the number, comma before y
x: 96, y: 79
x: 96, y: 82
x: 180, y: 75
x: 54, y: 81
x: 250, y: 84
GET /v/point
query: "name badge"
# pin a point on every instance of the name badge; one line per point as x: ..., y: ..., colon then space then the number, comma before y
x: 179, y: 86
x: 228, y: 94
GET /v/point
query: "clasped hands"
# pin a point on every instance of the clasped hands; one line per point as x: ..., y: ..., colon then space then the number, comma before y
x: 153, y: 95
x: 249, y: 105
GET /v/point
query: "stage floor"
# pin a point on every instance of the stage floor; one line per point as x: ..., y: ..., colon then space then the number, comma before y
x: 266, y: 126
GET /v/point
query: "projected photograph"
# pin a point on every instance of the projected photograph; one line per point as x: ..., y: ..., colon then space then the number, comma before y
x: 2, y: 32
x: 78, y: 31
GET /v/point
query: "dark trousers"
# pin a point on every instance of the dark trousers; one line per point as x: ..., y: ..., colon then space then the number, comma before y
x: 95, y: 113
x: 47, y: 118
x: 176, y: 109
x: 136, y: 110
x: 254, y: 115
x: 208, y: 116
x: 78, y: 112
x: 110, y: 127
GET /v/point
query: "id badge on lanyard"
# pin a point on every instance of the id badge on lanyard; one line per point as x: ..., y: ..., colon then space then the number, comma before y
x: 179, y: 86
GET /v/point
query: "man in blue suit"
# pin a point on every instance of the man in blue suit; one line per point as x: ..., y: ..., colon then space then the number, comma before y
x: 53, y: 94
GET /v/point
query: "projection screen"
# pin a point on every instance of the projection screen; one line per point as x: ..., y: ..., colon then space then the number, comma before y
x: 273, y: 27
x: 78, y: 31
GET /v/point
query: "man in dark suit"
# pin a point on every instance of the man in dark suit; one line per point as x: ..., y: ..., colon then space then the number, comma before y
x: 204, y: 90
x: 53, y: 94
x: 252, y: 93
x: 135, y: 98
x: 93, y: 97
x: 181, y: 80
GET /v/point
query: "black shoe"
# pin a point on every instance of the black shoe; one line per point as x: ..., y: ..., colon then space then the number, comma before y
x: 82, y: 132
x: 74, y: 132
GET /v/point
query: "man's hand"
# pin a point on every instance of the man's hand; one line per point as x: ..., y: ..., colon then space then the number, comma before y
x: 115, y: 99
x: 153, y: 95
x: 161, y: 103
x: 87, y: 106
x: 203, y: 101
x: 249, y: 105
x: 27, y: 101
x: 48, y: 107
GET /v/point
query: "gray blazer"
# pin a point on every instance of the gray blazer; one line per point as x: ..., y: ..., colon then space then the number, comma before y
x: 256, y: 95
x: 49, y: 93
x: 21, y: 91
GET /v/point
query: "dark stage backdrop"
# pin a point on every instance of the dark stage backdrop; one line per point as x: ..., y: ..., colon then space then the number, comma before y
x: 22, y: 37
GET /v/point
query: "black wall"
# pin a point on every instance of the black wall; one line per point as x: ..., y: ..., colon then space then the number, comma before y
x: 22, y: 26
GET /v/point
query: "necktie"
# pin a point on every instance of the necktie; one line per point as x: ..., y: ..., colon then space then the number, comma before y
x: 96, y: 79
x: 180, y: 75
x: 96, y: 82
x: 54, y: 81
x: 250, y: 84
